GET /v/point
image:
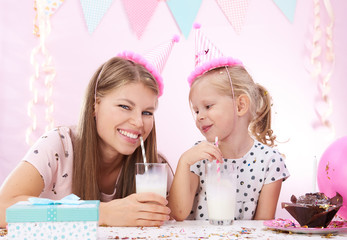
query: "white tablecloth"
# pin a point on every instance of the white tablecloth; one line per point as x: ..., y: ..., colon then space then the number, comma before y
x: 203, y: 230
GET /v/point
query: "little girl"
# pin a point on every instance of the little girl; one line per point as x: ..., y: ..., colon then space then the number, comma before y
x: 229, y: 105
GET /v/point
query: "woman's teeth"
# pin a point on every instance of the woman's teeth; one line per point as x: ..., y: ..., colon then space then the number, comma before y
x: 128, y: 134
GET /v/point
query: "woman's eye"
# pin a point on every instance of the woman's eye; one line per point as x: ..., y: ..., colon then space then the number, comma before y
x: 147, y: 113
x: 208, y: 106
x: 196, y: 112
x: 124, y: 106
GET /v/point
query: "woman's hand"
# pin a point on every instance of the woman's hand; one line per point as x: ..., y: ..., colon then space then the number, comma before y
x: 138, y: 209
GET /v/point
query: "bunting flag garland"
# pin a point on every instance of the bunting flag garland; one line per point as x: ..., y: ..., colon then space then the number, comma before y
x: 235, y: 11
x: 94, y: 11
x: 184, y: 13
x: 287, y: 7
x: 139, y: 14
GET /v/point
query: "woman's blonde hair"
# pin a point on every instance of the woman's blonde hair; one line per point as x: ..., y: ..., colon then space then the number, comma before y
x: 260, y: 99
x: 113, y: 74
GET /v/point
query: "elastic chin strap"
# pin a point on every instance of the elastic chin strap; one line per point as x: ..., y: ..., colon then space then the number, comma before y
x: 233, y: 94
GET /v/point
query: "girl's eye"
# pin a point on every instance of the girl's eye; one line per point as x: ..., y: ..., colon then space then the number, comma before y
x: 196, y: 112
x: 147, y: 113
x: 124, y: 106
x: 208, y: 106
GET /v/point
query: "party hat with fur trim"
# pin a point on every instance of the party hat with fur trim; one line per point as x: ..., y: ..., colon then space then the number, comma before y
x: 154, y: 60
x: 207, y: 56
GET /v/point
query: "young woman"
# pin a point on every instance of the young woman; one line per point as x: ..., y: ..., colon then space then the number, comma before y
x: 96, y: 160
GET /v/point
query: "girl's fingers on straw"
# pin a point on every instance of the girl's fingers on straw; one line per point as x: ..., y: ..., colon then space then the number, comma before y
x: 217, y: 154
x: 213, y: 152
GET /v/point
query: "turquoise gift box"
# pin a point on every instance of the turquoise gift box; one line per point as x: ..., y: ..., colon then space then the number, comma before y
x: 49, y: 219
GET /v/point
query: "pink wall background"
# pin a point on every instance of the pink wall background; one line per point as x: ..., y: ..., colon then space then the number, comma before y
x: 275, y: 50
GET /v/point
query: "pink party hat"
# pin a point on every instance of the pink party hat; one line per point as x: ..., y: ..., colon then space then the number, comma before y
x: 207, y: 56
x: 154, y: 60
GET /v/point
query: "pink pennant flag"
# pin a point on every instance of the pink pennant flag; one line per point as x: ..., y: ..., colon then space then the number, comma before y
x: 139, y: 14
x: 235, y: 11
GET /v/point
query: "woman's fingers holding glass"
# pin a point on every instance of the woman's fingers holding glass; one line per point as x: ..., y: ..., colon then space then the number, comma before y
x: 153, y: 216
x: 145, y: 197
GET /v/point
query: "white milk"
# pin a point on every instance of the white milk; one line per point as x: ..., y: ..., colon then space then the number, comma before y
x: 221, y: 199
x: 151, y: 183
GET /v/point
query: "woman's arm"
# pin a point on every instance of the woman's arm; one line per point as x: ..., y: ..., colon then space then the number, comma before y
x: 268, y: 199
x: 145, y: 209
x: 24, y: 182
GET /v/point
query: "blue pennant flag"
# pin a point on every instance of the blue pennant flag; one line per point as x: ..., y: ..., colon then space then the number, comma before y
x: 184, y: 12
x: 94, y: 11
x: 287, y: 7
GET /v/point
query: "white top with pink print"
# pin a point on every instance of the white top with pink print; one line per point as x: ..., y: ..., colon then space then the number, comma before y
x: 52, y: 156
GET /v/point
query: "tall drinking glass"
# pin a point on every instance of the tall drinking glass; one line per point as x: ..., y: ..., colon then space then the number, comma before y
x: 221, y: 192
x: 151, y: 177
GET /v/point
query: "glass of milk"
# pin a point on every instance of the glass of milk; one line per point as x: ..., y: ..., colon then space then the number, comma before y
x: 221, y: 192
x: 151, y: 177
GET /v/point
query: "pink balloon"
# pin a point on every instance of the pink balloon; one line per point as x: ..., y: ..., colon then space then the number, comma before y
x: 332, y: 172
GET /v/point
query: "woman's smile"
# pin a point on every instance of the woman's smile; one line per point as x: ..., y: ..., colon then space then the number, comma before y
x: 129, y: 136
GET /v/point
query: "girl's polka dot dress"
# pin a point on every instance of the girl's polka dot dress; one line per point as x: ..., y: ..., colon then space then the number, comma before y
x: 261, y: 165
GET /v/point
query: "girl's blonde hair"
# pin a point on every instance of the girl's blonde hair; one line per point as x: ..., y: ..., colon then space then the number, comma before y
x: 113, y: 74
x: 260, y: 99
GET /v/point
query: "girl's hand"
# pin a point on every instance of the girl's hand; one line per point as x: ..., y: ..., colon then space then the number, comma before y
x: 138, y: 209
x: 203, y: 150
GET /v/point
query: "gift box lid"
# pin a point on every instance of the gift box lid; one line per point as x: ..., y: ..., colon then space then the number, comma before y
x: 25, y: 211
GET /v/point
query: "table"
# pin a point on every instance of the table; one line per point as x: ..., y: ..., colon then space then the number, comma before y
x: 203, y: 230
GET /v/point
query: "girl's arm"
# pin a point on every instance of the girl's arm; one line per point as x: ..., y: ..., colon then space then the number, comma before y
x: 24, y: 182
x: 185, y: 182
x: 182, y: 191
x: 268, y: 198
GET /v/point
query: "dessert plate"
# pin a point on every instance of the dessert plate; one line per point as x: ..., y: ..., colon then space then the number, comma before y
x: 292, y: 226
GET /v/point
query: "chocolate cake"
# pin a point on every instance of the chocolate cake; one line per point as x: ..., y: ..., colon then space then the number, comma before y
x: 313, y: 209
